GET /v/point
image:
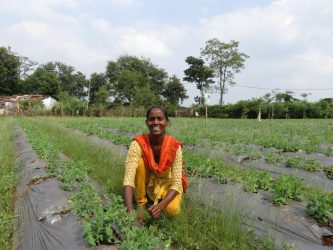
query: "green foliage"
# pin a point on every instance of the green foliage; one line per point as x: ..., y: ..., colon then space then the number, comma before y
x: 31, y: 106
x: 200, y: 226
x: 200, y: 74
x: 7, y: 182
x: 71, y: 172
x: 311, y: 165
x: 321, y: 208
x: 101, y: 95
x: 110, y: 223
x: 9, y: 72
x: 71, y: 81
x: 329, y: 172
x: 137, y: 82
x: 97, y: 81
x: 255, y: 180
x: 6, y: 227
x: 174, y: 91
x: 69, y: 105
x: 301, y: 162
x: 285, y: 188
x: 42, y: 82
x: 85, y: 201
x: 294, y: 162
x: 273, y: 158
x: 251, y: 183
x: 329, y: 151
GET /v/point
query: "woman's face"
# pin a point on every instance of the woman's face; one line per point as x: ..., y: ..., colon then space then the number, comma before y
x: 156, y: 122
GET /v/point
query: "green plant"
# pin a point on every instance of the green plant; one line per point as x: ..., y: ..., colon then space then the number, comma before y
x: 251, y: 181
x: 8, y: 179
x: 265, y: 180
x: 285, y: 188
x: 99, y: 230
x: 273, y: 158
x: 254, y: 155
x: 329, y: 151
x: 329, y: 172
x: 311, y: 146
x: 321, y: 208
x: 86, y: 201
x: 72, y: 171
x: 311, y: 165
x: 294, y: 162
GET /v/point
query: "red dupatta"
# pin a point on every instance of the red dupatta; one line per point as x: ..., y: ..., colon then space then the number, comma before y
x: 168, y: 152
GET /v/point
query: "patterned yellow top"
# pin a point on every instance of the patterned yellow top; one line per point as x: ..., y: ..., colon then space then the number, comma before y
x: 171, y: 179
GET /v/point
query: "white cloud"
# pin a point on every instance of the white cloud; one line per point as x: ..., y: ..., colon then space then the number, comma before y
x: 132, y: 42
x: 124, y: 3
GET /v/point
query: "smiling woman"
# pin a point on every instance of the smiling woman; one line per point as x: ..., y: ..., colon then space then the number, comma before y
x: 154, y: 169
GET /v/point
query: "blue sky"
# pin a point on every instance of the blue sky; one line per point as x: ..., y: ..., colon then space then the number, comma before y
x: 288, y: 41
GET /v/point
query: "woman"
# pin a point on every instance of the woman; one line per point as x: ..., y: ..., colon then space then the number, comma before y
x: 154, y: 168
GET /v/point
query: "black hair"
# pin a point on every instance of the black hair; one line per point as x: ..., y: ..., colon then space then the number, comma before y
x: 160, y: 107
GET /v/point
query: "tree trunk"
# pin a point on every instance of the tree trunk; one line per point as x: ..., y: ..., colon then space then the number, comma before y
x: 202, y: 98
x: 222, y: 84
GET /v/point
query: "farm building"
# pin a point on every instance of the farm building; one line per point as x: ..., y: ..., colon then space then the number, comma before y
x: 11, y: 104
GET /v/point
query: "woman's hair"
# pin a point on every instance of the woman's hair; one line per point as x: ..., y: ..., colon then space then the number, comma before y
x: 160, y: 107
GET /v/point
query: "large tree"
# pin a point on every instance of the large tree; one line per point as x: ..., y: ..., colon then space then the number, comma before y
x: 41, y: 82
x: 174, y: 91
x: 200, y: 74
x: 129, y: 75
x: 9, y: 72
x: 128, y: 85
x: 71, y: 81
x: 225, y: 60
x: 96, y: 81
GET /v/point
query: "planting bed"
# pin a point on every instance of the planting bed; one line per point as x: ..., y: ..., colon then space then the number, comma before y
x: 45, y: 220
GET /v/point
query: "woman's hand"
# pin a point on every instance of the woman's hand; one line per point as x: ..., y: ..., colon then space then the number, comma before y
x: 155, y: 211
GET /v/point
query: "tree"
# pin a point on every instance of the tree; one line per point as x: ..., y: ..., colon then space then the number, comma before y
x: 286, y: 97
x: 9, y: 72
x: 96, y: 81
x: 129, y: 75
x: 102, y: 95
x: 128, y: 86
x: 26, y: 65
x: 70, y: 81
x: 225, y: 60
x: 174, y: 91
x: 199, y: 74
x: 41, y: 82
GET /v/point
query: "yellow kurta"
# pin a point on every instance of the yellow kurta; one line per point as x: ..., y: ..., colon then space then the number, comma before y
x: 158, y: 184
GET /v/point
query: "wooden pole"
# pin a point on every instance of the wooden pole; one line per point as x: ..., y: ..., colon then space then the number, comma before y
x: 206, y: 119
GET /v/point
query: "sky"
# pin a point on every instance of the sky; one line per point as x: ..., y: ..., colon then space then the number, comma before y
x: 289, y: 42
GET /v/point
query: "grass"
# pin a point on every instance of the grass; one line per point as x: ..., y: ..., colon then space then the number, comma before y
x: 216, y: 230
x: 105, y: 165
x: 7, y: 182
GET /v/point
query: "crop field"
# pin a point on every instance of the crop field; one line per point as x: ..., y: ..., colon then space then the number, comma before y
x: 253, y: 185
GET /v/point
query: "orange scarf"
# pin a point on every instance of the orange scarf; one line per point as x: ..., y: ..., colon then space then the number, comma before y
x: 168, y: 152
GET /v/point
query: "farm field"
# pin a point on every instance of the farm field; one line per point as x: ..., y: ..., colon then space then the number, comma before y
x: 253, y: 185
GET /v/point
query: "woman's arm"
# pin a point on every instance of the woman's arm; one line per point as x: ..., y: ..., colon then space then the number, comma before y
x: 131, y: 164
x: 155, y: 210
x: 128, y: 193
